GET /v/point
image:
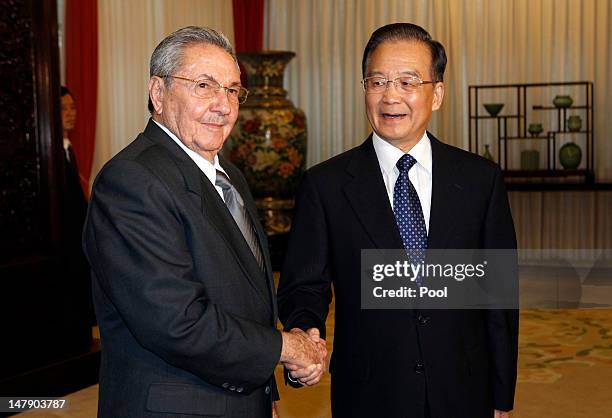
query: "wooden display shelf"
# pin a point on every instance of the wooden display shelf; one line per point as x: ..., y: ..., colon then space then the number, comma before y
x: 519, y: 100
x: 546, y: 173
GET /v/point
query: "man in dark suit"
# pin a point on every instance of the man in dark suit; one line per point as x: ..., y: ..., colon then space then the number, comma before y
x: 181, y: 274
x: 402, y: 188
x: 73, y: 220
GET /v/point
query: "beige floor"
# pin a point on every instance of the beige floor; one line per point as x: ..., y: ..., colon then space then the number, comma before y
x: 565, y: 371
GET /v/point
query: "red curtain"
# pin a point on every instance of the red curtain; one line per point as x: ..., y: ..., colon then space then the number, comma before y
x: 81, y: 29
x: 248, y: 25
x: 248, y: 28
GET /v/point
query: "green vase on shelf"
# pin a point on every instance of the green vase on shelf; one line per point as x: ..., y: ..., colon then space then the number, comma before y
x: 570, y: 156
x: 487, y: 154
x: 574, y: 123
x: 562, y: 101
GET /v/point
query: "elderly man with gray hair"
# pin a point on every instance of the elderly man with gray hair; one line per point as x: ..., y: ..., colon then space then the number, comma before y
x: 182, y: 280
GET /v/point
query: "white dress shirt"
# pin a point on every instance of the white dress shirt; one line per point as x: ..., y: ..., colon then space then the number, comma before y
x: 209, y: 169
x: 419, y: 174
x: 67, y: 145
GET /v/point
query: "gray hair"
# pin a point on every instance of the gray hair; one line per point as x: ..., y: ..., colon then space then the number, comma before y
x: 167, y: 57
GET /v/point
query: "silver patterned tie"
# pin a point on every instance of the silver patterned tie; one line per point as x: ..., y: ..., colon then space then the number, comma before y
x: 235, y: 204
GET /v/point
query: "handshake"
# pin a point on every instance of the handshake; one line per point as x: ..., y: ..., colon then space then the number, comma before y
x: 304, y: 355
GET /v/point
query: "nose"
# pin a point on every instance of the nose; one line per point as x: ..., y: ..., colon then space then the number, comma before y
x: 391, y: 95
x: 221, y: 102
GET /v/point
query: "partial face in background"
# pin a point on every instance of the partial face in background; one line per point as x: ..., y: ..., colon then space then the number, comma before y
x: 202, y: 124
x: 400, y: 117
x: 68, y: 112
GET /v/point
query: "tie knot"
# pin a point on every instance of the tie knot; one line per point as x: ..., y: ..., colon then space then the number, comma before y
x: 222, y: 180
x: 405, y: 163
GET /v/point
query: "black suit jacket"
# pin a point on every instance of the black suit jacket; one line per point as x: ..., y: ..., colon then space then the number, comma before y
x: 391, y: 363
x: 187, y: 318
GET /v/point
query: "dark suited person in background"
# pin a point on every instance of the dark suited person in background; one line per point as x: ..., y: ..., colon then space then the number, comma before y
x: 182, y: 280
x: 402, y: 188
x: 75, y: 198
x: 73, y: 219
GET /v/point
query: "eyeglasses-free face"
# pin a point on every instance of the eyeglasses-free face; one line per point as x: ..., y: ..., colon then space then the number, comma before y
x: 206, y: 88
x: 399, y: 104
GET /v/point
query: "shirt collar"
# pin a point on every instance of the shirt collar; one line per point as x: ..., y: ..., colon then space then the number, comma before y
x: 388, y: 155
x: 208, y: 168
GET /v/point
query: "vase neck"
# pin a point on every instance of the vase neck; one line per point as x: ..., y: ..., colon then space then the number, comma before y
x: 264, y: 71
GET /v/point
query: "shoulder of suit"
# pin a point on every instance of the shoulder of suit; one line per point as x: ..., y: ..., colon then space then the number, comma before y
x: 462, y: 157
x: 146, y: 153
x: 336, y: 163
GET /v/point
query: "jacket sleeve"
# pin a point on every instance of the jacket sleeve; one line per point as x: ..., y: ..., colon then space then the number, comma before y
x: 304, y: 291
x: 135, y: 241
x: 502, y: 325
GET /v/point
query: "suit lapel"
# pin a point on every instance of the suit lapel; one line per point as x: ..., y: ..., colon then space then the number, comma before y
x: 367, y: 195
x: 216, y: 213
x: 215, y: 210
x: 445, y: 194
x: 191, y: 172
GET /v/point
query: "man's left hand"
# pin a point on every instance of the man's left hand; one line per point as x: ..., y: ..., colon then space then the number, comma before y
x: 501, y: 414
x: 274, y: 410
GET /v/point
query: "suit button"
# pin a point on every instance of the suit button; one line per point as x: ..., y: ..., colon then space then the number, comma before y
x: 418, y: 368
x: 239, y: 390
x: 422, y: 319
x: 267, y: 390
x: 232, y: 388
x: 225, y: 385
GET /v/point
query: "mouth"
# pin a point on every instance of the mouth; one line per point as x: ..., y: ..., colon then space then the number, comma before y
x: 214, y: 125
x: 393, y: 116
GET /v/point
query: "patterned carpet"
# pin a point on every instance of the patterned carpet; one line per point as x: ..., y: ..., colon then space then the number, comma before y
x: 554, y: 343
x: 565, y: 371
x: 565, y: 364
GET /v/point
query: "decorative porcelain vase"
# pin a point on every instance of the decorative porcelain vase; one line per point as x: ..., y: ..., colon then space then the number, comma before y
x: 574, y: 123
x: 570, y: 156
x: 562, y: 101
x: 487, y: 154
x: 269, y: 140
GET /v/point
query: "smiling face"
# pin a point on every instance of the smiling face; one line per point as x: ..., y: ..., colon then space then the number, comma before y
x: 401, y: 118
x: 201, y: 124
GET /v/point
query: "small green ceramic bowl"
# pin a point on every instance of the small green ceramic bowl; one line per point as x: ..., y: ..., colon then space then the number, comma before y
x: 493, y: 108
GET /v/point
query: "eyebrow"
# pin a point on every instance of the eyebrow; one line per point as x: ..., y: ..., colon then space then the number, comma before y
x: 210, y: 77
x: 407, y: 72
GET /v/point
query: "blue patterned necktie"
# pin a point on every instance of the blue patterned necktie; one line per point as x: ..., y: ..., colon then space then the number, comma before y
x: 409, y: 214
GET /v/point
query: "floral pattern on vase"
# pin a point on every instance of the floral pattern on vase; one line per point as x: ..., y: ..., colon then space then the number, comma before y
x: 270, y: 149
x: 269, y: 141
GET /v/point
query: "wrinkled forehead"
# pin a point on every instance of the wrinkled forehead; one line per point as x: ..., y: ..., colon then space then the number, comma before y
x: 202, y: 59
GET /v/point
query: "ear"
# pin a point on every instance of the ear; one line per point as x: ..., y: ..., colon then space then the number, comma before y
x: 157, y: 89
x: 438, y: 95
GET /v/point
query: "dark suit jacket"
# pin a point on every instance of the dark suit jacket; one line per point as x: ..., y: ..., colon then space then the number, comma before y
x: 187, y: 318
x: 390, y: 363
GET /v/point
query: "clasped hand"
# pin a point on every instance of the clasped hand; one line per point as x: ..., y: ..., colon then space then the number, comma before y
x: 305, y: 355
